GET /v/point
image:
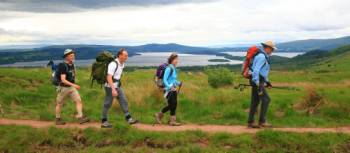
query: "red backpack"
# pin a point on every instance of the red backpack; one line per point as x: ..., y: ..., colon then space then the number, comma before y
x: 251, y: 53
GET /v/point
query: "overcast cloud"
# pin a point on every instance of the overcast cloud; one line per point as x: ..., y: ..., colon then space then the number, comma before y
x: 201, y: 22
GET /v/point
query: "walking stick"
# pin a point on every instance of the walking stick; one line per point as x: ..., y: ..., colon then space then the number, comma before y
x: 241, y: 87
x: 178, y: 91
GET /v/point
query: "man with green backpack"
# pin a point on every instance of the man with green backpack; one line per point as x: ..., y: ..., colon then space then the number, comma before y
x: 108, y: 70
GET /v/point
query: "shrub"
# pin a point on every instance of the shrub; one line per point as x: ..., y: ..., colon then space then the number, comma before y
x: 311, y: 102
x: 218, y: 77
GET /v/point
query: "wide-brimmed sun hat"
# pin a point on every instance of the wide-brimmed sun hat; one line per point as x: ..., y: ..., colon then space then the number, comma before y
x: 269, y: 44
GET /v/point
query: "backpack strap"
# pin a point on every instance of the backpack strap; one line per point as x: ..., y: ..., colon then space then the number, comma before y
x: 73, y: 71
x: 114, y: 80
x: 116, y: 68
x: 259, y: 52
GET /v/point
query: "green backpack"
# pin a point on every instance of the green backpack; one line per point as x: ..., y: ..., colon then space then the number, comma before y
x: 100, y: 67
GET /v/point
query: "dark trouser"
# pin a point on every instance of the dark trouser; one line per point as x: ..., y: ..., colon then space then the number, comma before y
x: 172, y: 103
x: 265, y: 99
x: 108, y: 103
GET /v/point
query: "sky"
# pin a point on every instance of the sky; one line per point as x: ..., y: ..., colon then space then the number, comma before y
x: 188, y: 22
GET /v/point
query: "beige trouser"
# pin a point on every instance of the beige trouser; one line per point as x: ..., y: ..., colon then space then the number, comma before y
x: 63, y: 92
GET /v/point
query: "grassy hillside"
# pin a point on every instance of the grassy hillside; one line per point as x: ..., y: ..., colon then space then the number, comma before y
x: 312, y: 58
x: 321, y: 100
x: 29, y: 94
x: 314, y: 44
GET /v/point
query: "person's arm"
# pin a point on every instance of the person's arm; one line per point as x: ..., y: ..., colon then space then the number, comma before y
x: 257, y: 65
x: 111, y: 69
x: 110, y: 81
x: 167, y: 84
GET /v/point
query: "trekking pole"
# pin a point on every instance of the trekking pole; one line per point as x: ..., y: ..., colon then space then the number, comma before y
x: 286, y: 88
x: 241, y: 87
x: 178, y: 91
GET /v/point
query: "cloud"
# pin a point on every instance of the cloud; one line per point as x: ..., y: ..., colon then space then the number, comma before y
x: 200, y: 23
x: 61, y: 6
x: 9, y: 37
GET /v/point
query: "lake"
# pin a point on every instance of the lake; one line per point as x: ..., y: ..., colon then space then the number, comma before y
x: 282, y: 54
x: 144, y: 59
x: 156, y: 58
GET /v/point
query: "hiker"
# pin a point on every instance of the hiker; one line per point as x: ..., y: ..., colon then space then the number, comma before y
x: 259, y: 80
x: 53, y: 68
x: 53, y: 65
x: 170, y: 83
x: 66, y: 86
x: 113, y: 89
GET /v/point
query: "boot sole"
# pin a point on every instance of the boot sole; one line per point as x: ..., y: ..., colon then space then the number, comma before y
x: 133, y: 123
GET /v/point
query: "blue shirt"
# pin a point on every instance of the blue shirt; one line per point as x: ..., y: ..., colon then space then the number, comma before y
x: 261, y: 67
x: 170, y: 80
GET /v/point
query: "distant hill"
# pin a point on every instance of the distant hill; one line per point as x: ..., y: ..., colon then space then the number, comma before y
x: 314, y: 44
x: 84, y: 51
x: 91, y: 51
x: 315, y: 57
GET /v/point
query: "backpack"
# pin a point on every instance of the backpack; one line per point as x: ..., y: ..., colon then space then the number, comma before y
x: 160, y: 74
x: 100, y: 67
x: 56, y: 81
x: 247, y: 63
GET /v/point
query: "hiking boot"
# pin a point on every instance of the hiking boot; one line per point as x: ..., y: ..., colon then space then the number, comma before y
x: 253, y: 126
x: 106, y: 124
x: 59, y: 122
x: 132, y: 121
x: 83, y: 120
x: 265, y: 125
x: 159, y: 117
x: 172, y: 121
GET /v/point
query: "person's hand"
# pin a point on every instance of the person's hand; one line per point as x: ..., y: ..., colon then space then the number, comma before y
x: 173, y: 88
x: 114, y: 92
x: 254, y: 84
x: 76, y: 87
x: 260, y: 90
x: 268, y: 85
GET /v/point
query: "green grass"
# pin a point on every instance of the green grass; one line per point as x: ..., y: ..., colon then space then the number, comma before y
x: 126, y: 139
x: 28, y: 94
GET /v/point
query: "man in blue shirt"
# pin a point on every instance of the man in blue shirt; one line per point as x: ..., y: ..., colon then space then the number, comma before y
x: 260, y: 71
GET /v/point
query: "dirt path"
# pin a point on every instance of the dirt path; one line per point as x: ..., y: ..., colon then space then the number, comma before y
x: 235, y: 129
